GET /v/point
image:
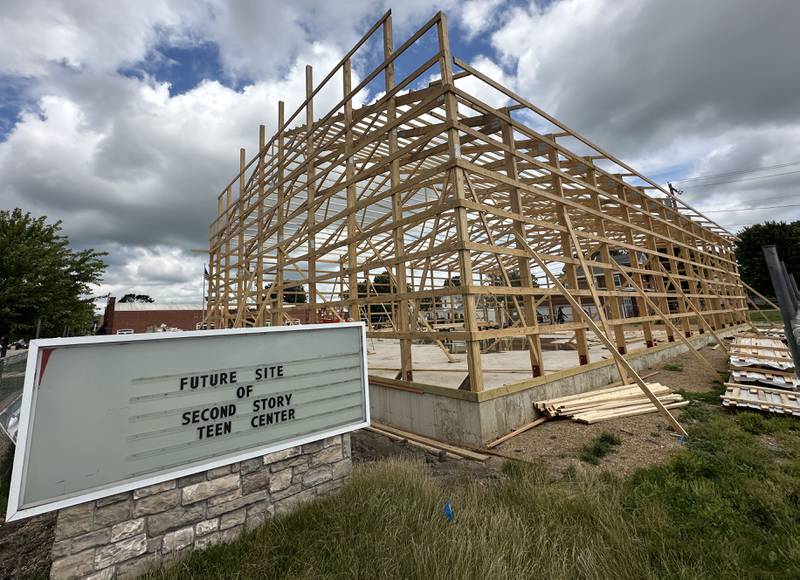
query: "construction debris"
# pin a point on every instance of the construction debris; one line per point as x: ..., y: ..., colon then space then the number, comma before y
x: 610, y: 403
x: 427, y: 442
x: 516, y: 432
x: 765, y: 378
x: 762, y: 376
x: 757, y: 360
x: 778, y: 401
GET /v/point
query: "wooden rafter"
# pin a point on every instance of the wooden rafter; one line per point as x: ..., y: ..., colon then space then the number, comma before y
x: 467, y: 207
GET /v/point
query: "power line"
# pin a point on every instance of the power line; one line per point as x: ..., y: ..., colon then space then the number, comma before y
x: 750, y: 208
x: 737, y: 172
x: 743, y: 179
x: 771, y: 198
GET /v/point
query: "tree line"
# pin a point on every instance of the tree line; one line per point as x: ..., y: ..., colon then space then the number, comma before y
x: 46, y: 286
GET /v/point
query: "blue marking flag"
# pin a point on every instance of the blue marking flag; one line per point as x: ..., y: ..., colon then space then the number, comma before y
x: 448, y: 510
x: 682, y: 439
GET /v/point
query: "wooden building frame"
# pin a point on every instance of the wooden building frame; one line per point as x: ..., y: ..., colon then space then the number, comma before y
x: 458, y: 205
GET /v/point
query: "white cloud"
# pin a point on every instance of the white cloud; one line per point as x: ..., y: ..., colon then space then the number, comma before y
x: 480, y: 89
x: 165, y: 273
x: 668, y: 84
x: 134, y: 170
x: 128, y: 167
x: 479, y: 15
x: 101, y: 35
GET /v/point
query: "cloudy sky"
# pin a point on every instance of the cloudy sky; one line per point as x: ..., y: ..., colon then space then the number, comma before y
x: 124, y: 119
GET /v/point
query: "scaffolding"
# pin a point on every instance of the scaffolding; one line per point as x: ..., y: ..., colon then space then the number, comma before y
x: 439, y: 218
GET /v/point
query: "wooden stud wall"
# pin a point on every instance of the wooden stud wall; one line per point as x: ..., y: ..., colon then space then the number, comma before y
x: 457, y: 201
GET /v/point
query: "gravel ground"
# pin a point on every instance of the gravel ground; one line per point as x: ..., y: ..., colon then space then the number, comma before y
x: 646, y: 439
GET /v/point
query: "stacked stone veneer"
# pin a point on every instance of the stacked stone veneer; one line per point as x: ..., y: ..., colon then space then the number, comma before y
x: 125, y: 534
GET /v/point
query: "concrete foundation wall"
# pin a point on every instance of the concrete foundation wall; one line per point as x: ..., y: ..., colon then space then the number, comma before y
x: 504, y: 414
x: 437, y: 416
x: 124, y: 535
x: 457, y: 419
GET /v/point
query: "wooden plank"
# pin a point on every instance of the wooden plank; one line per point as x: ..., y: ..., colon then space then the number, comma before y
x: 431, y: 442
x: 418, y: 185
x: 516, y: 432
x: 632, y: 413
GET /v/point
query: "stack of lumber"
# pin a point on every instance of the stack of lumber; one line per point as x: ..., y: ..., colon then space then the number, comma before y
x: 757, y: 360
x: 610, y: 403
x: 762, y: 376
x: 778, y: 401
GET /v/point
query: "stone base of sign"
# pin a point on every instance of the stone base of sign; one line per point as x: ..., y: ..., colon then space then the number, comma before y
x: 124, y: 535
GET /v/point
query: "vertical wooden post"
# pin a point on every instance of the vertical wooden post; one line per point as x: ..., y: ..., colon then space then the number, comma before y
x: 368, y: 309
x: 688, y: 269
x: 523, y: 263
x: 352, y: 263
x: 401, y: 309
x: 673, y: 266
x: 633, y: 258
x: 475, y: 375
x: 258, y: 248
x: 215, y: 276
x: 608, y: 275
x: 241, y: 267
x: 658, y: 279
x: 226, y: 303
x: 568, y: 251
x: 277, y: 315
x: 311, y: 188
x: 208, y: 312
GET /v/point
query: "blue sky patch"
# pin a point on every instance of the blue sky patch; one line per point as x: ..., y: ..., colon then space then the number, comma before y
x: 183, y: 67
x: 15, y: 96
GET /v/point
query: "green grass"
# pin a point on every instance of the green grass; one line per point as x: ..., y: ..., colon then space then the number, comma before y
x: 673, y: 367
x: 772, y: 315
x: 727, y: 505
x: 712, y: 396
x: 601, y: 446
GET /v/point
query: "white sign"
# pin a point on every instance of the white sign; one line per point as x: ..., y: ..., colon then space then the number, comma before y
x: 103, y: 415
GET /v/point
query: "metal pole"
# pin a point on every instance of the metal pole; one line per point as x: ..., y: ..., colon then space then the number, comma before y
x: 789, y: 289
x: 791, y: 283
x: 782, y: 292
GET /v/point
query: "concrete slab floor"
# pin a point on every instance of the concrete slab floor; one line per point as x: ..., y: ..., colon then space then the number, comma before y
x: 499, y: 368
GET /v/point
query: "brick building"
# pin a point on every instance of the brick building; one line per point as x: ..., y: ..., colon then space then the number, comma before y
x: 135, y: 317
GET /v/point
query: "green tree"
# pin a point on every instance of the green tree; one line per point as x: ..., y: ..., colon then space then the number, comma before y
x: 752, y: 267
x: 295, y: 294
x: 140, y: 298
x: 43, y: 279
x: 381, y: 284
x: 292, y: 294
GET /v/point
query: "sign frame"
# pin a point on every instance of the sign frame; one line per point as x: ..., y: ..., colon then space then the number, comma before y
x: 16, y: 512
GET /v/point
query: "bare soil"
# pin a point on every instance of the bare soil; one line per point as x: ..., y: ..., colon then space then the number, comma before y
x: 646, y: 439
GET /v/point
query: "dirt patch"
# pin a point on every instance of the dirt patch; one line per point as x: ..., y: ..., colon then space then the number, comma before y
x: 646, y: 439
x: 25, y: 545
x: 371, y: 446
x: 694, y: 376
